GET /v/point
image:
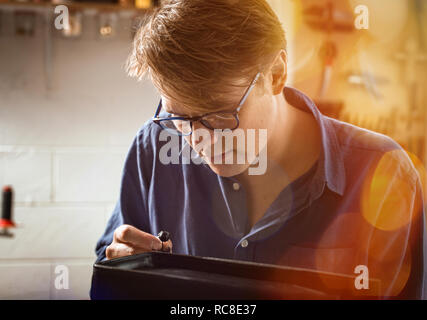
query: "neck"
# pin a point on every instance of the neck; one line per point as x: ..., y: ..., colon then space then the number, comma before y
x: 294, y: 145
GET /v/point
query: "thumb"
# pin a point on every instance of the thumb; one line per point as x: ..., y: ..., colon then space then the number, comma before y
x: 156, y: 244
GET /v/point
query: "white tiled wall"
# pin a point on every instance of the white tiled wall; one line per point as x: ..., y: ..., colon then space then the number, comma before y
x: 25, y: 280
x: 17, y: 167
x: 63, y: 150
x: 54, y: 232
x: 35, y: 279
x: 87, y: 177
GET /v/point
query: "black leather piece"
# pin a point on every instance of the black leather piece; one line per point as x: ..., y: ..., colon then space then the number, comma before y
x: 158, y: 275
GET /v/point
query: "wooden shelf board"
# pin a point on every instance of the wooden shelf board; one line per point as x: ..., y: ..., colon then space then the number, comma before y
x: 70, y: 5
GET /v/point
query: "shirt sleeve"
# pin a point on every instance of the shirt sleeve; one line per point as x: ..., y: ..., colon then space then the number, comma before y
x: 132, y: 206
x: 394, y: 240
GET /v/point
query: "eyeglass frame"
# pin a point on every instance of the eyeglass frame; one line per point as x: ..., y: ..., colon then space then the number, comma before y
x: 235, y: 113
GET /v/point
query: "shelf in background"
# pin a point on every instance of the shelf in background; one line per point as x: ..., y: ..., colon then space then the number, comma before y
x: 70, y: 5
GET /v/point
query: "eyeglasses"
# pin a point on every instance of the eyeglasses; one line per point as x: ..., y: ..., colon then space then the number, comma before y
x: 183, y: 126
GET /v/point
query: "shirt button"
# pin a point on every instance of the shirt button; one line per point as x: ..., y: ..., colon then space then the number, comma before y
x: 236, y: 186
x: 244, y: 243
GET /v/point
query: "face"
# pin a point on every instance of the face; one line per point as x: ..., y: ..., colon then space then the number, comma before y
x: 230, y: 153
x: 244, y: 150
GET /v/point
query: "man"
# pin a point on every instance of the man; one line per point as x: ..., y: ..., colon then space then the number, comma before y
x: 328, y: 195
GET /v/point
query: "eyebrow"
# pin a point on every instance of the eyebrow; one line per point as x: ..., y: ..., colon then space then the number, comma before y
x: 174, y: 113
x: 230, y: 109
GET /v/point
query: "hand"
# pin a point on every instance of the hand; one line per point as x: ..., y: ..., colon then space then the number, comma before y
x: 128, y: 240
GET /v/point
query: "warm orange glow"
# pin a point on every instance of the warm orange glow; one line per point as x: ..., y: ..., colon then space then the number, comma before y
x: 298, y: 15
x: 388, y: 197
x: 345, y: 231
x: 386, y: 254
x: 393, y: 274
x: 311, y: 285
x: 418, y: 164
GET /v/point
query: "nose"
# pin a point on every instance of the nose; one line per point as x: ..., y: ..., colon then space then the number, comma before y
x: 199, y: 136
x: 198, y: 126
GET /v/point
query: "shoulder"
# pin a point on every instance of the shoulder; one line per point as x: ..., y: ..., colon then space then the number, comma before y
x: 141, y: 154
x: 148, y: 135
x: 356, y: 137
x: 355, y: 141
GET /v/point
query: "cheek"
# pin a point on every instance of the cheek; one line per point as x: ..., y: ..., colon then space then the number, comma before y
x: 189, y: 141
x: 255, y: 120
x: 257, y: 115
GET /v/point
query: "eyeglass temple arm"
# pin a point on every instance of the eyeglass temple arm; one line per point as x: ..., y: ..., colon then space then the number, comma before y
x: 248, y: 91
x: 159, y: 108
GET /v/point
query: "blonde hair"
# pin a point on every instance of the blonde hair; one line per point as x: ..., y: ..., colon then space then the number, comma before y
x: 195, y: 51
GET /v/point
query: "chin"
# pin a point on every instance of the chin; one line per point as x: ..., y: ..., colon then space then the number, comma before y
x: 228, y: 170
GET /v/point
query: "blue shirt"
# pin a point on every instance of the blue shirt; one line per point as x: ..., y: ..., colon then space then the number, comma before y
x: 360, y: 204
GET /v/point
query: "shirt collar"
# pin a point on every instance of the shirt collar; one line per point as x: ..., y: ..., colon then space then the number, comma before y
x: 331, y: 163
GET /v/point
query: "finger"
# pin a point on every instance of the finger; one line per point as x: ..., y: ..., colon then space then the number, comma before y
x: 117, y: 250
x: 167, y: 246
x: 136, y: 238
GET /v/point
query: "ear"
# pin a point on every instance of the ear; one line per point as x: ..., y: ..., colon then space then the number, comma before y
x: 279, y: 73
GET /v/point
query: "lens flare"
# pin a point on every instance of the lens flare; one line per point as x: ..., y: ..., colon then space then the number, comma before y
x: 388, y: 198
x: 385, y: 254
x: 419, y: 166
x: 394, y: 274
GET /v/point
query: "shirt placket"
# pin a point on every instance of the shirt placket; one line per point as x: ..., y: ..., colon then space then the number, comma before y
x: 246, y: 246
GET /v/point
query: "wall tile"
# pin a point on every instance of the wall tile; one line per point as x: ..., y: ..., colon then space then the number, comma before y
x: 25, y: 281
x: 80, y: 278
x: 54, y: 233
x: 88, y: 177
x: 98, y: 105
x: 29, y: 173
